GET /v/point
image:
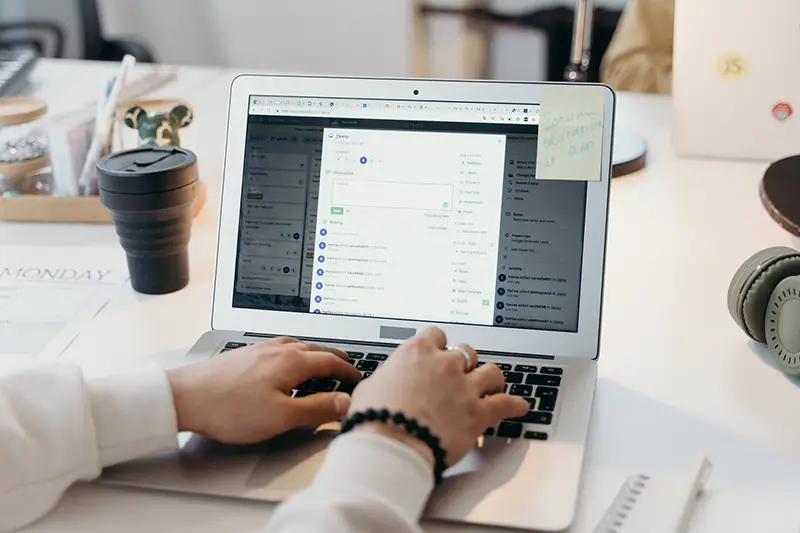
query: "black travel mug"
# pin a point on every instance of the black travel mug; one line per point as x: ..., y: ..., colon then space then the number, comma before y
x: 150, y: 192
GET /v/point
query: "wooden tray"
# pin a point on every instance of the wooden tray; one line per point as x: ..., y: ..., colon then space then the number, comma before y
x: 41, y: 208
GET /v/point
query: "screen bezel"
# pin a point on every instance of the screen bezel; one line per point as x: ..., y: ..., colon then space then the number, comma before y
x: 583, y: 343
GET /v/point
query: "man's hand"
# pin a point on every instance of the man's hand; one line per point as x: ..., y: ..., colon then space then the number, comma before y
x: 424, y: 380
x: 243, y: 396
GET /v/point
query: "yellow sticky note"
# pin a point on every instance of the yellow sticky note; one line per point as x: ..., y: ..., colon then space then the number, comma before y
x: 570, y: 144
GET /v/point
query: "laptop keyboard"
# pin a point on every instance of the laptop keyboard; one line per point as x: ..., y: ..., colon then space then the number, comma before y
x: 537, y: 384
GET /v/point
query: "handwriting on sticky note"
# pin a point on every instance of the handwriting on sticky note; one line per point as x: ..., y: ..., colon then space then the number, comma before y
x: 571, y: 125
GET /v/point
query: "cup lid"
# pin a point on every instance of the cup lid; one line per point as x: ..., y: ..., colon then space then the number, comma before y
x: 147, y: 170
x: 15, y: 111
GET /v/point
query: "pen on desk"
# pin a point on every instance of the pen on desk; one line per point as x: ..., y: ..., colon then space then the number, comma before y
x: 700, y: 481
x: 103, y: 126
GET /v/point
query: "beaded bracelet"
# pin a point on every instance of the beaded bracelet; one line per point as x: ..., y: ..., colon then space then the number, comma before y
x: 410, y: 425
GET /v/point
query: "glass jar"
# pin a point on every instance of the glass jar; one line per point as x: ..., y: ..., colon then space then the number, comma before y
x: 24, y: 163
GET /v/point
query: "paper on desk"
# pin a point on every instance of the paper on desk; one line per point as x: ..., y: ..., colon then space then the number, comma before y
x: 759, y: 510
x: 719, y: 510
x: 570, y: 143
x: 48, y: 295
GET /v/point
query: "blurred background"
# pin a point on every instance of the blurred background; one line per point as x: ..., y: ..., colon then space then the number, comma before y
x: 496, y: 39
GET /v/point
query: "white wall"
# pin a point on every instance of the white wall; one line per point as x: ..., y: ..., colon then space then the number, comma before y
x: 358, y: 37
x: 334, y: 36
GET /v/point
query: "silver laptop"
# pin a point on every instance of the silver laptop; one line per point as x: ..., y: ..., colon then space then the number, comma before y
x: 356, y: 212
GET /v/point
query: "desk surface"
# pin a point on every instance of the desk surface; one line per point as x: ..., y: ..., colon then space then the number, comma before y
x: 677, y: 378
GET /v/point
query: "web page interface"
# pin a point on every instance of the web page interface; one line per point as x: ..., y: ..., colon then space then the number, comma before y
x: 406, y: 210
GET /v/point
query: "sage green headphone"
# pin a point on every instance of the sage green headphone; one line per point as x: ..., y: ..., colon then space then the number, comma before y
x: 764, y: 299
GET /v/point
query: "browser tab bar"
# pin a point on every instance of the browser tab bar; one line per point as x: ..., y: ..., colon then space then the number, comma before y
x: 396, y: 110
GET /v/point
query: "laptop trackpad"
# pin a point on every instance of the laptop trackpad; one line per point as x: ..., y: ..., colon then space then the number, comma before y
x: 291, y: 463
x: 293, y: 460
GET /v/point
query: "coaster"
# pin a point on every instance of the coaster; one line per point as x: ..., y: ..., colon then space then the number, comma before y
x: 630, y: 153
x: 780, y: 193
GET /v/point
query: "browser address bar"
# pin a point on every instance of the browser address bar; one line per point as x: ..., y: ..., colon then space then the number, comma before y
x: 397, y: 114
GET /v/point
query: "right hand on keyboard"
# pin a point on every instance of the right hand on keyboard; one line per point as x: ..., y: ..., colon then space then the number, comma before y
x: 425, y: 381
x: 243, y: 396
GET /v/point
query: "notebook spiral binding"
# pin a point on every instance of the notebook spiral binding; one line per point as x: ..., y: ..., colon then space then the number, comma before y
x: 623, y: 504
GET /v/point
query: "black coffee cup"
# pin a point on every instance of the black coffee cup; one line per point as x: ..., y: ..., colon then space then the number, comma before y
x: 150, y: 192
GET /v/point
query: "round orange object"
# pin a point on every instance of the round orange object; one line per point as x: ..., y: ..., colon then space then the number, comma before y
x: 782, y: 111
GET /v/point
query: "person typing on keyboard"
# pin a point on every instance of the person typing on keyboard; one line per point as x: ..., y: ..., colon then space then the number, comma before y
x: 422, y: 409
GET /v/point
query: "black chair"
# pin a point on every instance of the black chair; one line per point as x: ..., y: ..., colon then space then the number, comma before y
x: 47, y: 38
x: 97, y: 47
x: 556, y: 23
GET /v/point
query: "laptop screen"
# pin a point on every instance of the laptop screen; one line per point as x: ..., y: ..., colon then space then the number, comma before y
x: 424, y: 211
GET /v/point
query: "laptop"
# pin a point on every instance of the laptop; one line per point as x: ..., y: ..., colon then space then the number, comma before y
x: 356, y: 212
x: 736, y: 89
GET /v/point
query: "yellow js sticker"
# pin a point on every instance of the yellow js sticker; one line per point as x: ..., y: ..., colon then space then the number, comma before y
x: 732, y: 66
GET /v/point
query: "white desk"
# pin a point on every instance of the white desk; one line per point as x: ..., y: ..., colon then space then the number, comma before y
x: 677, y: 378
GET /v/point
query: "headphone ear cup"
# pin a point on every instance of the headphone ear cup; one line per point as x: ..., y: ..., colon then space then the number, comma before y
x: 782, y: 325
x: 757, y: 296
x: 750, y: 270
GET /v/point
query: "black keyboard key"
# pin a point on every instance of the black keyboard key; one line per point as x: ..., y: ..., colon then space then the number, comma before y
x: 513, y: 377
x: 346, y: 388
x: 533, y: 417
x: 521, y: 390
x: 544, y: 392
x: 538, y: 379
x: 509, y: 430
x: 377, y: 356
x: 366, y: 375
x: 535, y: 435
x: 324, y: 385
x: 525, y: 368
x: 368, y: 366
x: 548, y: 403
x: 356, y: 355
x: 234, y: 345
x: 489, y: 432
x: 532, y: 401
x: 480, y: 364
x: 552, y: 370
x: 504, y: 366
x: 225, y: 350
x: 301, y: 393
x: 351, y: 360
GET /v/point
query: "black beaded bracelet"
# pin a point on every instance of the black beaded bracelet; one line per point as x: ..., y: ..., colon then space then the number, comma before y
x: 410, y: 425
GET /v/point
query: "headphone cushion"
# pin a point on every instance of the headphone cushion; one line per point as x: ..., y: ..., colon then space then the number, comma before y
x: 757, y: 295
x: 747, y: 273
x: 782, y: 325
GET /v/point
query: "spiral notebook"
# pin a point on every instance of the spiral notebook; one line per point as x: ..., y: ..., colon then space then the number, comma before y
x: 647, y: 505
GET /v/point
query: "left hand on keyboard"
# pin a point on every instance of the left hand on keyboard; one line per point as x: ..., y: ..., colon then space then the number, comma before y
x: 243, y: 396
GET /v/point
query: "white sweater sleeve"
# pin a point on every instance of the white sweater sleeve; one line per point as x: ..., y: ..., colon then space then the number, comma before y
x: 56, y: 427
x: 367, y: 483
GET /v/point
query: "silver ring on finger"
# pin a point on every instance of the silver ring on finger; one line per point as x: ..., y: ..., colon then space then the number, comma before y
x: 468, y: 364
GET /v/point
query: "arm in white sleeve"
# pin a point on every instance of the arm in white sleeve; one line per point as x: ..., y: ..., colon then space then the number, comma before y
x: 57, y: 427
x: 368, y: 483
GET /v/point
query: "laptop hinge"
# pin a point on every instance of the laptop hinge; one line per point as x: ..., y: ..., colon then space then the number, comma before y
x: 394, y: 345
x: 324, y: 340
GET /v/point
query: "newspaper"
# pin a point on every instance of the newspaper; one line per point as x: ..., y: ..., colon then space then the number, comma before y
x: 49, y: 295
